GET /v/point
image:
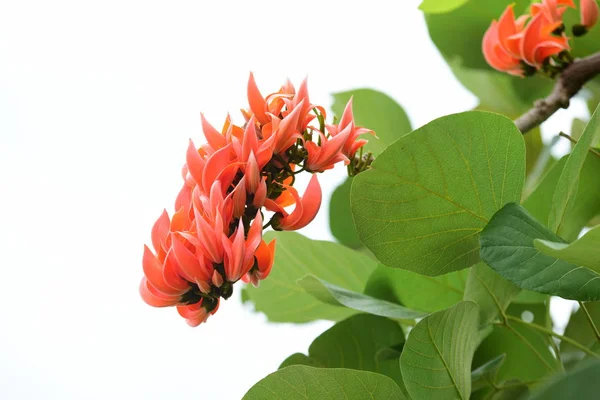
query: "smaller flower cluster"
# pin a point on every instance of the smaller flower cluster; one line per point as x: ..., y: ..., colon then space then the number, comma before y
x: 214, y: 238
x: 537, y: 40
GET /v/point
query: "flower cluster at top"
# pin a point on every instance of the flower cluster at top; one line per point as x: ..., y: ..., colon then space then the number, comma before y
x: 214, y: 238
x: 537, y: 40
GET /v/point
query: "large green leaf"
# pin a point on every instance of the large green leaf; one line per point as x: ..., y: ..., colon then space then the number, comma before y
x: 490, y: 291
x: 355, y: 343
x: 337, y: 296
x: 581, y: 384
x: 507, y: 246
x: 440, y: 6
x: 579, y: 328
x: 566, y: 187
x: 528, y: 357
x: 426, y: 198
x: 585, y: 251
x: 376, y: 111
x: 340, y: 216
x: 419, y: 292
x: 283, y: 300
x: 587, y: 201
x: 299, y: 382
x: 436, y: 360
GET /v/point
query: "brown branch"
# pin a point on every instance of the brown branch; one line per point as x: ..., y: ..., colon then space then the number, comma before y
x: 567, y: 85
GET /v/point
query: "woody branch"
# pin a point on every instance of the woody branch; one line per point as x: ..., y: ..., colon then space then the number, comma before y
x: 568, y: 85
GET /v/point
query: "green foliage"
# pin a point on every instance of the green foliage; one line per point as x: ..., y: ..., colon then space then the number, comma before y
x: 300, y: 382
x: 381, y: 113
x: 566, y: 187
x: 481, y: 376
x: 580, y: 329
x: 581, y: 384
x: 587, y: 200
x: 283, y: 300
x: 436, y: 360
x: 528, y: 357
x: 507, y: 246
x: 584, y: 251
x: 426, y: 198
x: 418, y: 292
x: 340, y: 216
x: 490, y: 291
x: 356, y: 343
x: 337, y: 296
x: 440, y: 6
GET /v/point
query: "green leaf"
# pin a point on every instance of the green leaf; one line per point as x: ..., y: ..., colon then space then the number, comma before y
x: 490, y: 291
x: 283, y: 300
x: 436, y: 360
x: 581, y: 384
x: 486, y: 370
x: 507, y: 247
x: 579, y: 328
x: 300, y: 359
x: 585, y: 251
x: 381, y: 113
x: 376, y: 111
x: 355, y: 343
x: 300, y: 382
x: 587, y: 201
x: 340, y: 216
x: 566, y: 188
x: 521, y: 344
x: 419, y: 292
x: 529, y: 297
x: 440, y: 6
x: 426, y: 198
x: 337, y: 296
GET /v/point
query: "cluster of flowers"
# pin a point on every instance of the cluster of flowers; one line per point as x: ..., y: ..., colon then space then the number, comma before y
x: 521, y: 46
x: 214, y: 238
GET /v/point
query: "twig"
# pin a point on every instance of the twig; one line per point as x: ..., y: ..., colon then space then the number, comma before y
x: 575, y: 142
x: 568, y: 84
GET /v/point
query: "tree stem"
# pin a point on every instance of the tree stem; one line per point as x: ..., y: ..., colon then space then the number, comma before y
x: 567, y: 85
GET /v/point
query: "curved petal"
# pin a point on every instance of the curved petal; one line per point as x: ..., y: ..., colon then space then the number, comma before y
x: 195, y: 163
x: 214, y: 138
x: 190, y: 264
x: 153, y: 270
x: 160, y: 231
x: 256, y: 101
x: 154, y: 298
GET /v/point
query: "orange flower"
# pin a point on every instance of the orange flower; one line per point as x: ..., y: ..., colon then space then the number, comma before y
x: 215, y: 237
x: 323, y: 157
x: 539, y: 43
x: 496, y: 56
x: 305, y: 211
x: 552, y: 9
x: 352, y: 143
x: 589, y: 13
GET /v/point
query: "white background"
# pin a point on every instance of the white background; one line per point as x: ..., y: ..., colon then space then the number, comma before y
x: 97, y: 101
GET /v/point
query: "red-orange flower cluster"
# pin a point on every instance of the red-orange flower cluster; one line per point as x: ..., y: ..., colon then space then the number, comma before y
x: 214, y: 238
x: 525, y: 44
